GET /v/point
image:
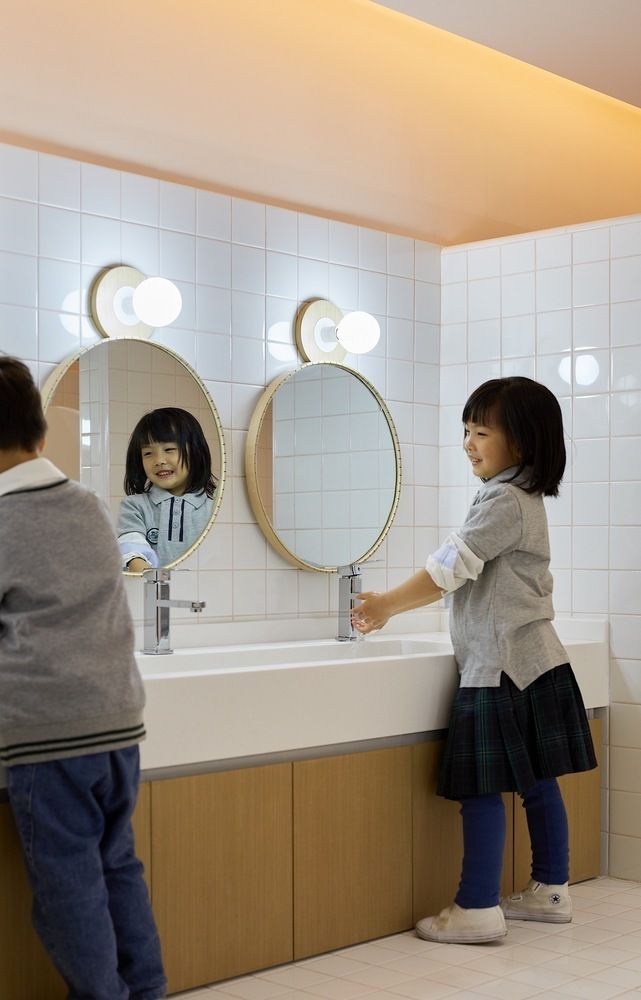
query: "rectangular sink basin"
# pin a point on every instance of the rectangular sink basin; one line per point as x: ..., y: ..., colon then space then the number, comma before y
x: 264, y: 656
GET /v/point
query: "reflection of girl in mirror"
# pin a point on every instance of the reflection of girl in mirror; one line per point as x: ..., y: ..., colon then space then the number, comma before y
x: 169, y: 486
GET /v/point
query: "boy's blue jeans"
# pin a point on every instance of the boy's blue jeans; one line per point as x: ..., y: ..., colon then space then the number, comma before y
x: 91, y: 907
x: 484, y: 840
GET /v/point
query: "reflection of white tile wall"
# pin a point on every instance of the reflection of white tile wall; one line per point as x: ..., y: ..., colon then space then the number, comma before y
x: 334, y: 477
x: 242, y: 268
x: 564, y: 307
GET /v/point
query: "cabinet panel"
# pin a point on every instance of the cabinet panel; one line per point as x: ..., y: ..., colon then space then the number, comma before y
x: 25, y: 970
x: 222, y: 873
x: 352, y: 849
x: 438, y: 837
x: 582, y: 797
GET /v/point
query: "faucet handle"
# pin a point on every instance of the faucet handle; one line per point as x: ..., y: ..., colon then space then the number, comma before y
x: 352, y: 569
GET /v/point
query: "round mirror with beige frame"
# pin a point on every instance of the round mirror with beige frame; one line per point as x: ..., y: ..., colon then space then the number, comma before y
x: 323, y: 466
x: 105, y: 408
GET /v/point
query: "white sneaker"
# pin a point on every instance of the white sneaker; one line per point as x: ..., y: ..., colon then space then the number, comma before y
x: 549, y: 903
x: 454, y: 925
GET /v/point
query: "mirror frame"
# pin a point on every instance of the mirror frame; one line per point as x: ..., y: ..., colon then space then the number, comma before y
x: 251, y: 476
x: 56, y: 376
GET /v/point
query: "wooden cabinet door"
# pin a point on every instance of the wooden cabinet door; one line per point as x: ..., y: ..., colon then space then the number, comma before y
x: 582, y: 797
x: 352, y: 849
x: 438, y: 837
x: 221, y: 848
x: 25, y: 970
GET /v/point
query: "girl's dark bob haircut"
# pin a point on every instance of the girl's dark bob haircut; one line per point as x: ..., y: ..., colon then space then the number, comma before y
x: 170, y: 423
x: 530, y: 417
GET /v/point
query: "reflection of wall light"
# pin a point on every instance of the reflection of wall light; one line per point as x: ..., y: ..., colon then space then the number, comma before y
x: 124, y: 303
x: 323, y: 333
x: 586, y: 369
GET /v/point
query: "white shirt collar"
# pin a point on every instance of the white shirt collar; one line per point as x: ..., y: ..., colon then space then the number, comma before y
x: 35, y: 473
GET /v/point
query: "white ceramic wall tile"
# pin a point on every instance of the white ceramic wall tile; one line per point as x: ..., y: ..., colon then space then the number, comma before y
x: 247, y: 315
x: 591, y: 244
x: 177, y: 256
x: 626, y: 413
x: 427, y: 302
x: 343, y: 287
x: 313, y: 237
x: 625, y: 588
x: 18, y: 173
x: 625, y: 239
x: 625, y: 279
x: 625, y: 547
x: 625, y: 323
x: 484, y: 299
x: 100, y: 240
x: 591, y: 372
x: 591, y: 327
x: 427, y: 259
x: 625, y: 503
x: 58, y: 285
x: 213, y: 309
x: 177, y: 207
x: 517, y: 256
x: 590, y: 592
x: 591, y: 416
x: 213, y: 215
x: 626, y: 459
x: 625, y: 641
x: 140, y: 199
x: 518, y: 336
x: 590, y: 503
x: 554, y: 289
x: 18, y: 226
x: 313, y: 279
x: 140, y: 247
x: 426, y: 343
x: 626, y: 368
x: 400, y: 297
x: 454, y: 303
x: 484, y: 340
x: 518, y: 294
x: 554, y: 251
x: 59, y: 233
x: 248, y: 222
x: 19, y: 326
x: 453, y: 344
x: 590, y: 460
x: 484, y: 262
x: 99, y: 190
x: 281, y: 230
x: 591, y: 283
x: 400, y: 339
x: 372, y: 250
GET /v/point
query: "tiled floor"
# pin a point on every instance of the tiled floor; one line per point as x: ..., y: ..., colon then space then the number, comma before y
x: 596, y: 957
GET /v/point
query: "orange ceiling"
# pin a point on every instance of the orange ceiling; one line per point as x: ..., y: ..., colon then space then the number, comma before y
x: 340, y: 107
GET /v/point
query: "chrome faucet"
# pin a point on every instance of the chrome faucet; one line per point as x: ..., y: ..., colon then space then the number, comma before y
x: 157, y: 605
x: 349, y: 587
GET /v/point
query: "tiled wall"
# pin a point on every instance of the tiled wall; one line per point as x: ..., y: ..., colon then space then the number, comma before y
x: 242, y: 268
x: 564, y: 307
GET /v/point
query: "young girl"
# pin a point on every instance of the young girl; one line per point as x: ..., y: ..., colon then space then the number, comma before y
x: 518, y: 719
x: 169, y: 486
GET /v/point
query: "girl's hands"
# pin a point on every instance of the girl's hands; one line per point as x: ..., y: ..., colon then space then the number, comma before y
x: 371, y: 613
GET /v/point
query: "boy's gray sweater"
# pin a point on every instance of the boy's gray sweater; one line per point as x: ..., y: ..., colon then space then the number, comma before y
x: 69, y: 683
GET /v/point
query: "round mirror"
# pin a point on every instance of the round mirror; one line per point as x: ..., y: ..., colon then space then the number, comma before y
x: 323, y: 466
x: 133, y: 422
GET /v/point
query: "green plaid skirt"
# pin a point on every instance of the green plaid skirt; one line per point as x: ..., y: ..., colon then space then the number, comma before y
x: 501, y: 739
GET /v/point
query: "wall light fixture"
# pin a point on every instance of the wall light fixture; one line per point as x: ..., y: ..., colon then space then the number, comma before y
x: 125, y: 303
x: 324, y: 333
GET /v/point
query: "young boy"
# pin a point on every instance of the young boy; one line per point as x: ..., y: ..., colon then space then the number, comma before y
x: 71, y: 702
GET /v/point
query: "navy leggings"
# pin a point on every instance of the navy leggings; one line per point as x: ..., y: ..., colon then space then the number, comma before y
x: 484, y: 840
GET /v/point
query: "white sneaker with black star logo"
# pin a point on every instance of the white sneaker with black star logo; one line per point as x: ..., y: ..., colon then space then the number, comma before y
x: 549, y: 903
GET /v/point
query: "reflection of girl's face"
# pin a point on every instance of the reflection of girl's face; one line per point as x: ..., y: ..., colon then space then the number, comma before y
x: 163, y: 467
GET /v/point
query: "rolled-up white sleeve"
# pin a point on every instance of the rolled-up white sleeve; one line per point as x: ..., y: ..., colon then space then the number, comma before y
x: 453, y: 564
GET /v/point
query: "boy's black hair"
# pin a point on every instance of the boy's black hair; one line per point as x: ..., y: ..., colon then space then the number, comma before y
x: 22, y: 421
x: 170, y: 423
x: 530, y: 417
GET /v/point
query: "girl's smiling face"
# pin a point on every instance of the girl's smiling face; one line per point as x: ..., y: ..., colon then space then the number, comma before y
x: 488, y: 450
x: 164, y: 467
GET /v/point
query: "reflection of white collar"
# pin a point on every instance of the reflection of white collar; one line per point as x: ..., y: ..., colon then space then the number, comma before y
x: 31, y: 475
x: 157, y: 495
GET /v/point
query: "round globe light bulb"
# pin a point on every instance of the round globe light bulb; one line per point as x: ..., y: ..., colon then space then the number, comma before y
x: 157, y: 302
x: 358, y: 332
